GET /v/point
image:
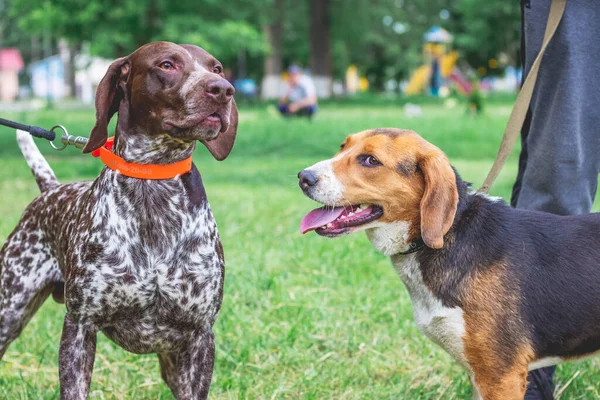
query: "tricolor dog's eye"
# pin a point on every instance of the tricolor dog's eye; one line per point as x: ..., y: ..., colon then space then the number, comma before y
x: 166, y: 65
x: 217, y: 69
x: 369, y: 161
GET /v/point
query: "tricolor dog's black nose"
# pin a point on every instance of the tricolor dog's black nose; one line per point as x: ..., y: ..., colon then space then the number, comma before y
x: 306, y: 179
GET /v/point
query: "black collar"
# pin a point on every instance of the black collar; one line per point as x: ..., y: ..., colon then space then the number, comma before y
x: 414, y: 246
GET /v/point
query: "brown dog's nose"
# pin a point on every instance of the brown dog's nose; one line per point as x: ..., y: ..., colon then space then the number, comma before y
x: 220, y: 90
x: 306, y: 179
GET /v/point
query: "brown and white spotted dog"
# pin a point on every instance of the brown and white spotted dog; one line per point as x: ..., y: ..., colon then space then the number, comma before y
x: 138, y: 259
x: 502, y: 290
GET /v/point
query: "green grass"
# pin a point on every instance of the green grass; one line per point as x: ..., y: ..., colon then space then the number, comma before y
x: 303, y: 317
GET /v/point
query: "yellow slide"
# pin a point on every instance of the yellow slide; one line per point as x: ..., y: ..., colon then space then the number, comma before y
x: 418, y: 80
x: 421, y: 75
x: 448, y: 63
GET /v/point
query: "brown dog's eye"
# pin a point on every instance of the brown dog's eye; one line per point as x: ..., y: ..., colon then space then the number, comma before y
x: 369, y: 161
x: 217, y: 69
x: 166, y: 65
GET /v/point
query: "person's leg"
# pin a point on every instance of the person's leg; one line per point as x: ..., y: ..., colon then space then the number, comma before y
x: 562, y: 147
x: 283, y: 109
x: 541, y: 384
x: 307, y: 111
x: 560, y: 158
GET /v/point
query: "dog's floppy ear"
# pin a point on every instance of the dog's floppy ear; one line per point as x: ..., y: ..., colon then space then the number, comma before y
x: 440, y: 199
x: 222, y: 145
x: 108, y: 97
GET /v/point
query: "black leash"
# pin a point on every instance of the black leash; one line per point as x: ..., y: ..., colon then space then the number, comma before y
x: 33, y: 130
x: 414, y: 246
x: 49, y: 135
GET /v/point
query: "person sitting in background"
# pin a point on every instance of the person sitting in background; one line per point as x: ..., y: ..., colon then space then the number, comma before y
x: 300, y: 96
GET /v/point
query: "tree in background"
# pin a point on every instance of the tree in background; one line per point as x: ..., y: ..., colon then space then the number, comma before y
x: 259, y: 38
x: 114, y: 28
x: 382, y: 38
x: 296, y: 39
x: 320, y: 46
x: 485, y: 33
x: 68, y: 22
x: 273, y: 66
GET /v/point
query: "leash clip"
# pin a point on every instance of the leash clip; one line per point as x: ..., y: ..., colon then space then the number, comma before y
x: 68, y: 140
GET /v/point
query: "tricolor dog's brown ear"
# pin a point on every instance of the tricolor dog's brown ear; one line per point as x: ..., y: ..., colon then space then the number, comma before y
x: 222, y: 145
x: 440, y: 199
x: 108, y: 97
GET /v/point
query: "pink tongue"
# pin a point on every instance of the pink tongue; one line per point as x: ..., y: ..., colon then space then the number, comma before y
x: 319, y: 217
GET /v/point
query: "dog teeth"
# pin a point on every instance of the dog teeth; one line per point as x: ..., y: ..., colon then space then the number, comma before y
x: 329, y: 225
x: 343, y: 217
x: 364, y: 206
x: 350, y: 214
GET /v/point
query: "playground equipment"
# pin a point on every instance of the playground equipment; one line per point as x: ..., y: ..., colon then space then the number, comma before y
x: 439, y: 67
x: 355, y: 82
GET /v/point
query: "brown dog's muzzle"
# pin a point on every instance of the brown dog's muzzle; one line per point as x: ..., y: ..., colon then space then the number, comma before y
x: 220, y: 90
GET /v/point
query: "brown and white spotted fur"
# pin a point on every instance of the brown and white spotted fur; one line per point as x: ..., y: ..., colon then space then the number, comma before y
x: 140, y: 260
x: 502, y: 290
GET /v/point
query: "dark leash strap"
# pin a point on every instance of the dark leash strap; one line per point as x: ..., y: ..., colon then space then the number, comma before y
x: 49, y: 135
x: 413, y: 247
x: 33, y: 130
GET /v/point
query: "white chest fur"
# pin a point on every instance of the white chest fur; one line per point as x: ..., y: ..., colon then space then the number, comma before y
x: 444, y: 325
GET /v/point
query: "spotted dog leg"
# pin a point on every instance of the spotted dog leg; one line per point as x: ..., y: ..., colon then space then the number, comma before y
x: 28, y: 274
x: 195, y: 367
x: 168, y: 370
x: 76, y: 360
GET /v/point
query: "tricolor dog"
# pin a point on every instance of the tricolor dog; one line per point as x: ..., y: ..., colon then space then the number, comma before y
x: 502, y: 290
x: 135, y: 253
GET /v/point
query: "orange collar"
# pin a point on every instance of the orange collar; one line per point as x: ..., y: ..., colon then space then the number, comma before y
x: 140, y: 171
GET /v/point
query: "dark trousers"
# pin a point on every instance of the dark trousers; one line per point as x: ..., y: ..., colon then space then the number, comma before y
x: 560, y: 139
x: 303, y: 112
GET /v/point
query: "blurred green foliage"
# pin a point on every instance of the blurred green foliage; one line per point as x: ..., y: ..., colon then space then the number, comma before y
x: 382, y: 37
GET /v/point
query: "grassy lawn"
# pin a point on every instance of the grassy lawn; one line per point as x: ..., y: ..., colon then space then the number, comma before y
x: 303, y: 317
